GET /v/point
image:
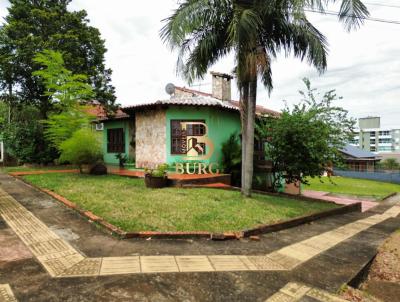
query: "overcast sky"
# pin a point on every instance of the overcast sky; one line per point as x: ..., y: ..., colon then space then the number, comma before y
x: 363, y: 66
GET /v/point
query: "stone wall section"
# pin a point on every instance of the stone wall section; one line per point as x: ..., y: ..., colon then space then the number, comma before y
x: 151, y: 137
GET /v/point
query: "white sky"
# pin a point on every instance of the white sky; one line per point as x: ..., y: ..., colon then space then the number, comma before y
x: 363, y: 66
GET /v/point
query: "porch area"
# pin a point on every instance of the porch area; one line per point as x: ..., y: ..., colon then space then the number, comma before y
x: 175, y: 179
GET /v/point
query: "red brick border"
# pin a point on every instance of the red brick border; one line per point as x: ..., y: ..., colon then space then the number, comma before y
x: 261, y: 229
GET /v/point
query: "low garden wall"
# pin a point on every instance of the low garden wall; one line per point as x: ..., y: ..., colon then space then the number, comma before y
x: 392, y: 177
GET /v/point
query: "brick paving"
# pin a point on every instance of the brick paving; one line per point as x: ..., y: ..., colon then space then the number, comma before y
x: 366, y: 204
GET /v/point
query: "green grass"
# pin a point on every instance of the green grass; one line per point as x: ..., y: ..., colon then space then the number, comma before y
x: 126, y: 203
x: 24, y: 168
x: 352, y: 186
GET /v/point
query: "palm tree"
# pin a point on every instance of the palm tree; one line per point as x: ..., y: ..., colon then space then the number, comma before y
x: 255, y: 31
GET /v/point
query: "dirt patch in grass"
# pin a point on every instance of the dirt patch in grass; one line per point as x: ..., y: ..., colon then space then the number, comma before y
x: 128, y: 204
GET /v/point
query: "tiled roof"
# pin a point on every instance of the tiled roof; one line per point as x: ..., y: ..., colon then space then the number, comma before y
x: 186, y: 101
x: 357, y: 152
x: 261, y: 110
x: 199, y: 98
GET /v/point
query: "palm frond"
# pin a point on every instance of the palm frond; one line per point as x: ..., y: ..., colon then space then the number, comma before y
x: 352, y: 13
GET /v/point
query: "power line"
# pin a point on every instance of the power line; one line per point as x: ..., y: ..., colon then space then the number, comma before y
x: 383, y: 5
x: 352, y: 16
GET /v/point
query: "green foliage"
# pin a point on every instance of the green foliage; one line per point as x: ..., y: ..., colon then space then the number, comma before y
x: 390, y: 164
x: 64, y: 88
x: 160, y: 171
x: 23, y: 137
x: 84, y: 147
x: 205, y: 31
x: 232, y: 158
x: 306, y: 140
x: 31, y: 27
x: 67, y: 91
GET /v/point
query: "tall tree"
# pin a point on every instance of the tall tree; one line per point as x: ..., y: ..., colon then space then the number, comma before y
x: 306, y: 140
x: 255, y: 31
x: 32, y: 26
x: 67, y: 93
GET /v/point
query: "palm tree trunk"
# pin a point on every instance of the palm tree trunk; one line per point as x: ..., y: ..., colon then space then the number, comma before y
x: 244, y: 99
x: 249, y: 149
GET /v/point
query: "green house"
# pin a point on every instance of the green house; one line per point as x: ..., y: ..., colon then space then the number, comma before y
x: 189, y: 126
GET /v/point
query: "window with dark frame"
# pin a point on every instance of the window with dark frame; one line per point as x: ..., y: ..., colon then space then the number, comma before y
x: 179, y: 135
x: 115, y: 140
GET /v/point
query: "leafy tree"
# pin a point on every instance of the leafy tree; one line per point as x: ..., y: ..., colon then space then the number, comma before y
x: 255, y: 31
x: 23, y: 137
x: 32, y: 26
x: 306, y: 140
x: 83, y: 148
x: 390, y: 164
x: 67, y: 92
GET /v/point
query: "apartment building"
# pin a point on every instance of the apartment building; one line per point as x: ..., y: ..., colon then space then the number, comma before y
x: 371, y: 137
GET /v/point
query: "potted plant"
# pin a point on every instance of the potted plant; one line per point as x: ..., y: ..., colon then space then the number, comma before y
x: 122, y: 159
x: 156, y: 178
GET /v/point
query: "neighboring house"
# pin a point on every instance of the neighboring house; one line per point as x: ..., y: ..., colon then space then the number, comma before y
x: 372, y: 137
x: 190, y: 125
x: 359, y: 160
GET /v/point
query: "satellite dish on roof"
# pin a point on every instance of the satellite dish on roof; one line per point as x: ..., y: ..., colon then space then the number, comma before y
x: 170, y: 88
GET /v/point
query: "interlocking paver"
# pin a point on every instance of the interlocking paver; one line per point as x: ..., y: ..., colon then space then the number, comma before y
x: 194, y: 264
x: 60, y: 259
x: 120, y: 265
x: 227, y: 263
x: 263, y: 263
x: 87, y: 267
x: 6, y: 294
x: 292, y: 292
x: 323, y: 296
x: 158, y: 264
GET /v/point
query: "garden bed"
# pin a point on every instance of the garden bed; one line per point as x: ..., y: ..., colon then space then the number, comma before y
x: 128, y: 205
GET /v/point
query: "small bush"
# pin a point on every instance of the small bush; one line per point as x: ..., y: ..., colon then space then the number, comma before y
x: 83, y: 148
x: 161, y: 171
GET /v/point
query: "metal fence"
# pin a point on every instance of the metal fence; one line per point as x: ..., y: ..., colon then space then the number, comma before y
x: 392, y: 177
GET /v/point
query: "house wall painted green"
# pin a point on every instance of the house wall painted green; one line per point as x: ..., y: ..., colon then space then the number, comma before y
x: 110, y: 158
x: 147, y: 133
x: 221, y: 124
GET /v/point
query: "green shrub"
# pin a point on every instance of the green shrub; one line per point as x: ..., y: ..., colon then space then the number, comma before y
x: 232, y: 158
x: 159, y: 172
x: 84, y: 147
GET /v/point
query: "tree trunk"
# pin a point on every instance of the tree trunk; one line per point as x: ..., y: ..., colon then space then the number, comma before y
x: 244, y: 99
x: 249, y: 142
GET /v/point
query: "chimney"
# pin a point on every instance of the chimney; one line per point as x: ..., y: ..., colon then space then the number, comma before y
x: 221, y: 86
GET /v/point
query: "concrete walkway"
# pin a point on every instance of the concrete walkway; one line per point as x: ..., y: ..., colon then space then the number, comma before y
x: 323, y: 255
x: 60, y: 259
x: 366, y: 204
x: 6, y: 294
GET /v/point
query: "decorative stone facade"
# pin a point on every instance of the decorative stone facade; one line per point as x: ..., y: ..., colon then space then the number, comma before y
x: 221, y: 86
x: 151, y: 138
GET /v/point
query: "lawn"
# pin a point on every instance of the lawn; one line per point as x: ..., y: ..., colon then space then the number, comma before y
x: 352, y: 186
x: 44, y: 168
x: 126, y: 203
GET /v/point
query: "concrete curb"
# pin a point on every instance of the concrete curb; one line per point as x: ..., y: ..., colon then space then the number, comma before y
x: 261, y: 229
x: 389, y: 195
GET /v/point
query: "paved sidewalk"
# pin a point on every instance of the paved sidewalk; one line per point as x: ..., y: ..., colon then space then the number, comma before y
x: 365, y: 204
x: 60, y: 259
x: 323, y: 255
